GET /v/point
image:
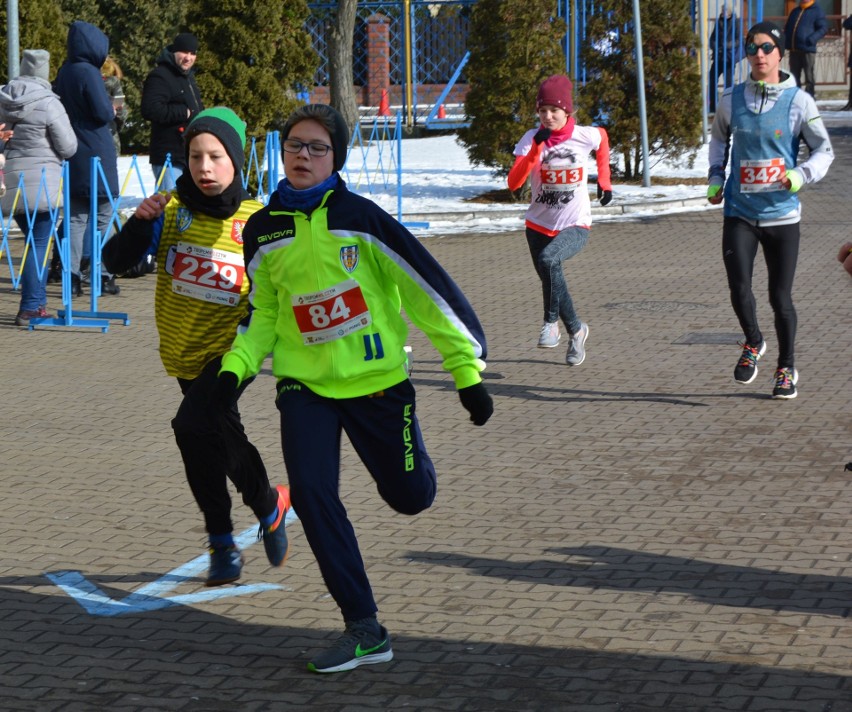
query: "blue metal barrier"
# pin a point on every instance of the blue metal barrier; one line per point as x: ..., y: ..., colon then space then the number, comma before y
x: 372, y: 165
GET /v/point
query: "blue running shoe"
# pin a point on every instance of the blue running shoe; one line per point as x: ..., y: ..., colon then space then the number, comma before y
x: 226, y: 565
x: 275, y: 536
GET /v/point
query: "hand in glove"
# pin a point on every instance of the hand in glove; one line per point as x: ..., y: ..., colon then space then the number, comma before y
x: 477, y: 402
x: 226, y: 389
x: 605, y: 196
x: 792, y: 181
x: 714, y: 194
x: 542, y: 135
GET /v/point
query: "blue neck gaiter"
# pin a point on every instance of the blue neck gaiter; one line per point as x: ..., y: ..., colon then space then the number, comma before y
x: 309, y: 198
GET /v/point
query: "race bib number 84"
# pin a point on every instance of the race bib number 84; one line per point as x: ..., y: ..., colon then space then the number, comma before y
x: 331, y: 314
x: 762, y: 176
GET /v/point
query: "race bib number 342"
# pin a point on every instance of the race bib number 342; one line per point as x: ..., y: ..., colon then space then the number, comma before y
x: 762, y: 176
x: 208, y: 274
x: 332, y: 313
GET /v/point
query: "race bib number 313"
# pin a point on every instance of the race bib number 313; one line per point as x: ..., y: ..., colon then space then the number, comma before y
x: 332, y: 313
x: 561, y: 179
x: 762, y: 176
x: 208, y: 274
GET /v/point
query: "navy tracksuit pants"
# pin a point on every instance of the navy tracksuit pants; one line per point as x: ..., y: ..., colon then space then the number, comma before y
x: 385, y: 433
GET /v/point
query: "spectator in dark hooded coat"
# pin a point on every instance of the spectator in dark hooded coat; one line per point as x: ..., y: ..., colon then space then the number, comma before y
x: 81, y: 89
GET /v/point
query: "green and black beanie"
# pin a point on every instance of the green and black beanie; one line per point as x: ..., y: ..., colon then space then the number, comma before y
x: 331, y: 120
x: 225, y: 125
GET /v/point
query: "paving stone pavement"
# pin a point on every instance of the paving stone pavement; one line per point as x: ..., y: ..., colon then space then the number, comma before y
x: 638, y: 533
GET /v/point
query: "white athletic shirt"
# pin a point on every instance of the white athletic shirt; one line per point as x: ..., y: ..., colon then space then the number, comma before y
x: 560, y: 182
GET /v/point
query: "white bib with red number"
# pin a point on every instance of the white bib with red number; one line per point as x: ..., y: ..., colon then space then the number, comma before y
x: 762, y: 176
x: 332, y: 313
x: 208, y: 274
x: 561, y: 178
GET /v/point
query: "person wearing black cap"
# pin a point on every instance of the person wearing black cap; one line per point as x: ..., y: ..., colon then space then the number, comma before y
x: 330, y: 273
x: 758, y: 128
x: 170, y: 98
x: 201, y: 295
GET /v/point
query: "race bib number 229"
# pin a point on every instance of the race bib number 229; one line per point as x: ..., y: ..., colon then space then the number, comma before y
x: 208, y: 274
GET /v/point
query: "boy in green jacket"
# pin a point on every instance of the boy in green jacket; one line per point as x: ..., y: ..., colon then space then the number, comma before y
x: 330, y: 272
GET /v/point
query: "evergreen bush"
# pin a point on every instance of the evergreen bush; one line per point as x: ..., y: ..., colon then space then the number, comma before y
x: 610, y: 95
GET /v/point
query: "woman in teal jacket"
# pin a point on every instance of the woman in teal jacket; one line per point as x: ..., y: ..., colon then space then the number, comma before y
x: 330, y: 272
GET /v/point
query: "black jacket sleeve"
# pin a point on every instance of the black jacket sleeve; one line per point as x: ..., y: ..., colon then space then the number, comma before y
x: 129, y: 246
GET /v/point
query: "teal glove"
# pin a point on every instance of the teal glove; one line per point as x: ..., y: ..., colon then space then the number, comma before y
x: 795, y: 179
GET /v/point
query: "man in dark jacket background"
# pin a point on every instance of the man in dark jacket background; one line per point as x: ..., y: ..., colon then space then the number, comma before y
x: 81, y: 89
x: 170, y: 98
x: 805, y: 26
x: 725, y: 43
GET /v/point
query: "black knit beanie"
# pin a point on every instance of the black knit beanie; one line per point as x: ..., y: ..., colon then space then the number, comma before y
x: 184, y: 42
x: 768, y: 28
x: 331, y: 120
x: 225, y: 125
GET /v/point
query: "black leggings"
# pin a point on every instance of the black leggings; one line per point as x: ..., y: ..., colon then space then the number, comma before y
x: 780, y: 251
x: 215, y: 449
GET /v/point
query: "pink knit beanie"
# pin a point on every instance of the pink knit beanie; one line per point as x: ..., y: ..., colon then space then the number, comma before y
x: 556, y: 91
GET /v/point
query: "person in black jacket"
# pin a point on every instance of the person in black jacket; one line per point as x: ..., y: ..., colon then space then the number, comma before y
x: 725, y: 42
x: 806, y: 26
x: 81, y: 89
x: 170, y: 98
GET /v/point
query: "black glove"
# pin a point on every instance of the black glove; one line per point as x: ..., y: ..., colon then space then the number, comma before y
x: 477, y: 402
x: 542, y: 135
x: 605, y: 196
x: 226, y: 390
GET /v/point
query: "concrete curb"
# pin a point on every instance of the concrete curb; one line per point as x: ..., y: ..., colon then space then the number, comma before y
x: 500, y: 212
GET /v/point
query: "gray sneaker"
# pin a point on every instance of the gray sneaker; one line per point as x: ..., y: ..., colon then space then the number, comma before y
x: 364, y: 642
x: 577, y: 350
x: 549, y: 336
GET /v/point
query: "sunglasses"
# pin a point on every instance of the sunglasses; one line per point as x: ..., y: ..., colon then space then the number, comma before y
x: 766, y: 48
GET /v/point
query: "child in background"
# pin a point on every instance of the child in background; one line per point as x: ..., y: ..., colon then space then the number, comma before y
x: 330, y: 272
x: 560, y: 215
x: 113, y: 75
x: 200, y: 297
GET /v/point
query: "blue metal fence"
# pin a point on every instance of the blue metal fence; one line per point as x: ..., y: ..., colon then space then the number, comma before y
x: 373, y: 167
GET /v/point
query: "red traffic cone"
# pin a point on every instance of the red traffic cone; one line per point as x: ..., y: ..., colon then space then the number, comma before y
x: 384, y: 106
x: 441, y: 113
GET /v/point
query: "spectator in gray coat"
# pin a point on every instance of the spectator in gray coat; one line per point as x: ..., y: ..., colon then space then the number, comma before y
x: 43, y: 138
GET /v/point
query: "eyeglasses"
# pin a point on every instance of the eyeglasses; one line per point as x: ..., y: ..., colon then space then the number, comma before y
x: 766, y: 48
x: 294, y: 145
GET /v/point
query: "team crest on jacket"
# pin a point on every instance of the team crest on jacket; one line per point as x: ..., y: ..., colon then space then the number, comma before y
x: 237, y: 231
x: 349, y: 257
x: 184, y: 219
